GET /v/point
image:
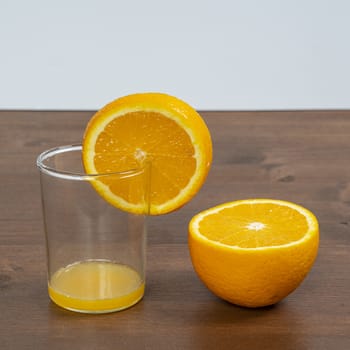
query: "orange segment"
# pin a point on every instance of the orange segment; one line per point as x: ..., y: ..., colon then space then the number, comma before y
x: 155, y: 128
x: 253, y: 252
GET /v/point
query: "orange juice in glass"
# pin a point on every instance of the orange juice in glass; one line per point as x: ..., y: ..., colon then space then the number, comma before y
x: 95, y: 285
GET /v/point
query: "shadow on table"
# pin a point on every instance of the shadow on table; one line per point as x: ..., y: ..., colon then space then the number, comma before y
x: 223, y: 325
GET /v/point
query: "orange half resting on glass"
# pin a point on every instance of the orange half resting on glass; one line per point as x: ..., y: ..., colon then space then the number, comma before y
x: 149, y: 127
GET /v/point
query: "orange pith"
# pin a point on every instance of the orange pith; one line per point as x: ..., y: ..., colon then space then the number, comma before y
x: 149, y: 128
x: 253, y: 252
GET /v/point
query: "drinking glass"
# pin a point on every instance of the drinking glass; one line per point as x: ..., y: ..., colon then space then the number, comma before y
x: 96, y: 250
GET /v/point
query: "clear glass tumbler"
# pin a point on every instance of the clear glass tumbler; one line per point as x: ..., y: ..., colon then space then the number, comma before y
x: 95, y: 251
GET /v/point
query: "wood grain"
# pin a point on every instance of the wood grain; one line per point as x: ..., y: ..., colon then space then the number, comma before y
x: 301, y: 156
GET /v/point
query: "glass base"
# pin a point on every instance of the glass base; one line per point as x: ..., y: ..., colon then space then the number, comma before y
x: 72, y: 305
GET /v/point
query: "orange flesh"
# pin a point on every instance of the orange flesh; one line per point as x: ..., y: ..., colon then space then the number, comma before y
x: 168, y: 146
x: 260, y: 225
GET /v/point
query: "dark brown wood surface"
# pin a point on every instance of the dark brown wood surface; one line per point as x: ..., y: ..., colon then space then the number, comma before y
x: 299, y: 156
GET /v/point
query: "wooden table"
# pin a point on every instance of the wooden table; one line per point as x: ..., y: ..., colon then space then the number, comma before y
x: 299, y: 156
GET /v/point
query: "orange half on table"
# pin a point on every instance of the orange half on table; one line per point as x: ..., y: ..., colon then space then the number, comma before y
x: 253, y: 252
x: 153, y: 127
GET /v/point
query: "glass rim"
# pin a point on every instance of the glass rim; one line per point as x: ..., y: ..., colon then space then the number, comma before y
x: 74, y: 175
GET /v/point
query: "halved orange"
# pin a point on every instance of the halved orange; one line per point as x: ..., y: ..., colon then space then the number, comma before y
x: 149, y: 127
x: 253, y: 252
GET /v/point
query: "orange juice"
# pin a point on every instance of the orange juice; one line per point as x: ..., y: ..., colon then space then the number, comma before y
x: 96, y: 286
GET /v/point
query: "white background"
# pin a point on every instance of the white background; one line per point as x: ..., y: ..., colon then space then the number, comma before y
x: 216, y: 55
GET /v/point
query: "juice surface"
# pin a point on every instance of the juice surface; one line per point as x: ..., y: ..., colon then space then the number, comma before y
x: 96, y: 286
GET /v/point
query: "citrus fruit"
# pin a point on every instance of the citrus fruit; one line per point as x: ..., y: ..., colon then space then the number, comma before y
x: 153, y: 128
x: 253, y: 252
